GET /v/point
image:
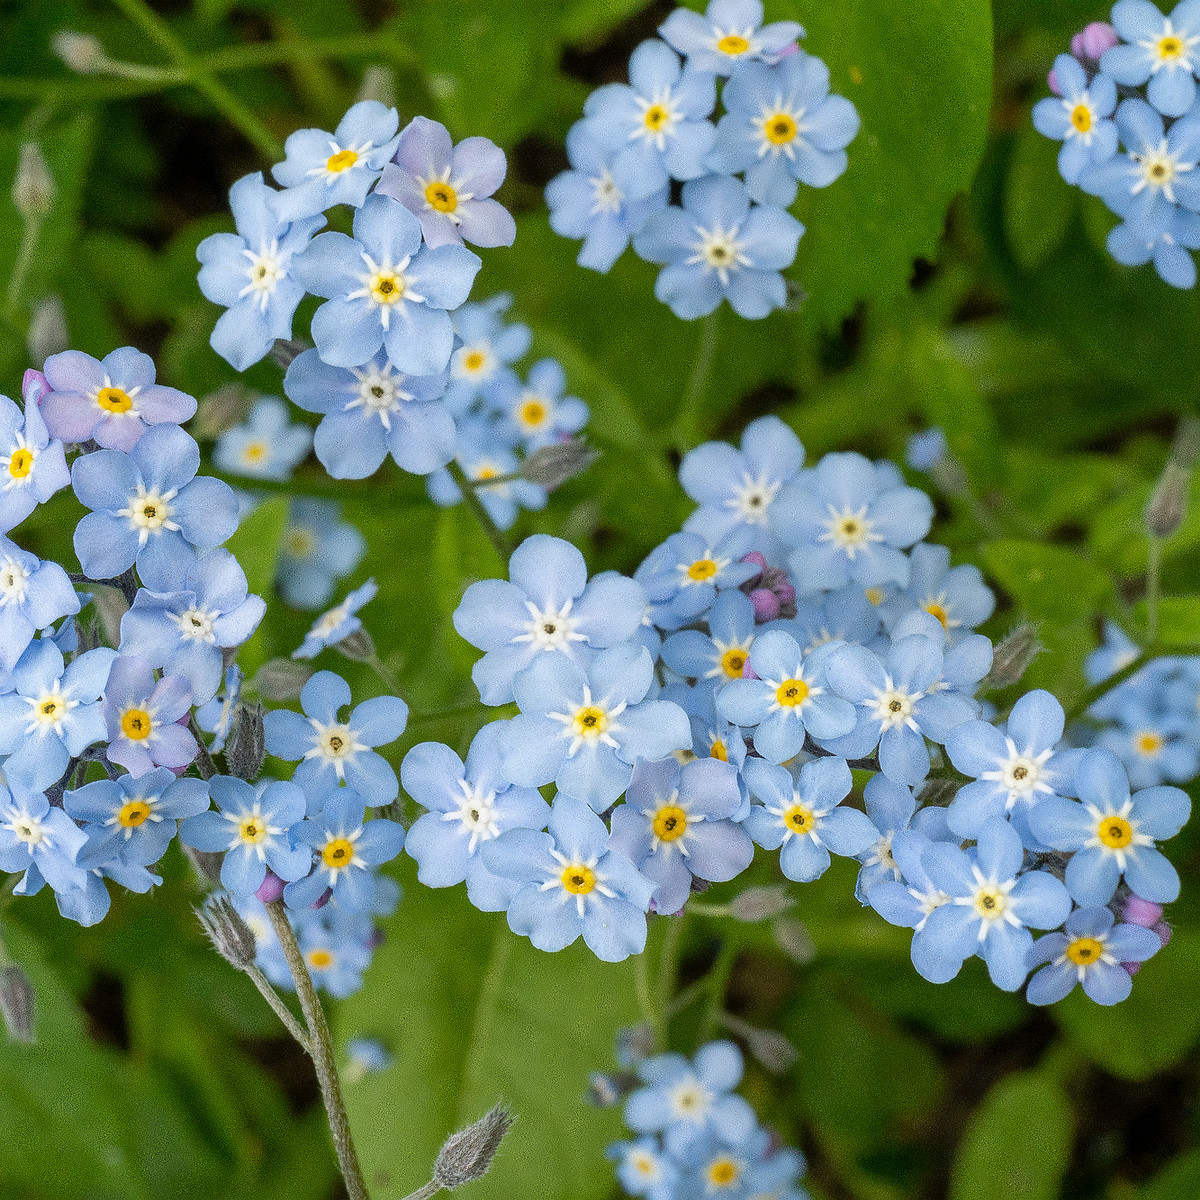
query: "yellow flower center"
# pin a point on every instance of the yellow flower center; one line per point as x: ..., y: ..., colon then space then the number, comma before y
x: 254, y: 452
x: 733, y: 44
x: 578, y: 879
x: 591, y: 721
x: 670, y: 822
x: 1148, y: 743
x: 936, y: 610
x: 799, y: 819
x: 486, y: 472
x: 718, y: 750
x: 49, y: 708
x: 301, y: 542
x: 1081, y: 117
x: 442, y: 197
x: 387, y: 287
x: 252, y: 829
x: 990, y: 903
x: 338, y: 852
x: 21, y: 463
x: 1084, y: 951
x: 319, y: 959
x: 474, y: 360
x: 701, y: 569
x: 533, y: 413
x: 733, y: 662
x: 1115, y: 832
x: 656, y: 117
x: 723, y: 1172
x: 1170, y: 47
x: 113, y: 399
x: 343, y: 160
x: 875, y: 595
x: 779, y: 129
x: 792, y: 692
x: 133, y: 813
x: 136, y: 724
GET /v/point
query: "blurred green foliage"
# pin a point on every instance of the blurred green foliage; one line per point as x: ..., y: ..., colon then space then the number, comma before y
x: 951, y: 279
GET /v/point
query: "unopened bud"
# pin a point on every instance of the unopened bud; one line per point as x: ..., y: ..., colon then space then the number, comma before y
x: 760, y: 904
x: 80, y: 51
x: 1168, y: 503
x: 16, y: 1003
x: 1141, y: 912
x: 280, y: 679
x: 47, y: 329
x: 551, y: 466
x: 378, y: 83
x: 634, y: 1043
x: 603, y: 1091
x: 231, y: 937
x: 217, y: 411
x: 793, y: 938
x: 33, y: 185
x: 1011, y: 658
x: 1092, y: 41
x: 1185, y: 450
x: 467, y: 1155
x: 245, y: 748
x: 357, y: 646
x: 769, y: 1046
x: 283, y: 352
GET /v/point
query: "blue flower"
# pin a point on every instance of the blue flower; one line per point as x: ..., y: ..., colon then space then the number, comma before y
x: 743, y: 1168
x: 338, y: 623
x: 548, y: 606
x: 805, y: 815
x: 489, y: 347
x: 712, y: 735
x: 366, y: 1056
x: 590, y: 202
x: 1091, y: 952
x: 337, y: 946
x: 468, y: 806
x: 683, y: 575
x: 33, y: 595
x: 787, y: 698
x: 721, y: 654
x: 656, y: 124
x: 571, y: 884
x: 845, y: 615
x: 267, y: 446
x: 781, y: 126
x: 537, y: 412
x: 32, y: 466
x: 1155, y: 748
x: 216, y: 717
x: 40, y: 840
x: 730, y: 33
x: 584, y: 728
x: 254, y: 829
x: 249, y: 273
x: 449, y: 187
x: 956, y: 596
x: 191, y: 619
x: 55, y: 712
x: 890, y: 808
x: 142, y: 715
x: 691, y: 1101
x: 848, y: 520
x: 675, y: 824
x: 1160, y: 49
x: 1016, y: 767
x: 991, y: 905
x: 372, y: 410
x: 382, y: 288
x: 1112, y: 833
x: 1078, y: 118
x: 717, y: 247
x: 345, y: 848
x: 482, y: 458
x: 925, y: 450
x: 318, y: 548
x: 1167, y: 247
x: 736, y: 488
x: 149, y: 507
x: 645, y: 1169
x: 134, y: 818
x: 332, y: 750
x: 323, y: 169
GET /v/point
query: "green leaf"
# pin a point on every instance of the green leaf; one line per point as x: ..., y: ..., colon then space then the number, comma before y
x: 1047, y: 581
x: 1178, y: 619
x: 256, y: 543
x: 1018, y: 1143
x: 1037, y: 202
x: 473, y: 1015
x: 1179, y: 1180
x: 919, y: 145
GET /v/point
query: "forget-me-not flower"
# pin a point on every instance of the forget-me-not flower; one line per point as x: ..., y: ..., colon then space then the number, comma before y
x: 719, y: 655
x: 490, y: 346
x: 730, y: 33
x: 338, y: 623
x: 956, y: 596
x: 33, y: 595
x: 143, y: 717
x: 1159, y: 50
x: 267, y: 446
x: 1167, y: 247
x: 38, y: 839
x: 1079, y: 118
x: 481, y: 459
x: 318, y: 548
x: 216, y: 717
x: 537, y: 412
x: 644, y: 1168
x: 32, y: 465
x: 683, y: 576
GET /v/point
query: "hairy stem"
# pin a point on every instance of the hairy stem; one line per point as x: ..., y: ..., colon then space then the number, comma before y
x: 204, y: 762
x: 281, y: 1010
x: 495, y: 534
x: 1154, y: 557
x: 322, y: 1053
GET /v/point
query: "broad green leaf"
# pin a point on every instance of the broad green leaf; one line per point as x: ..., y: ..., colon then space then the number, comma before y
x: 473, y: 1015
x: 1047, y: 581
x: 1038, y: 203
x: 1179, y: 1180
x: 1017, y: 1144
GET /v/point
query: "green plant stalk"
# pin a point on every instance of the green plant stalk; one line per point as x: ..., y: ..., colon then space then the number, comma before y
x: 323, y: 1057
x: 281, y: 1010
x: 1154, y: 557
x: 641, y: 981
x: 30, y: 234
x: 718, y: 983
x: 495, y: 534
x: 668, y: 972
x: 222, y: 98
x: 687, y: 431
x: 1097, y: 690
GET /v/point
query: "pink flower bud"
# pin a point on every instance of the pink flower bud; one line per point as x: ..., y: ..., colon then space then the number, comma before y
x: 1163, y: 930
x: 1132, y: 968
x: 766, y: 604
x: 34, y: 386
x: 756, y: 558
x: 271, y: 888
x: 748, y: 671
x: 1052, y: 81
x: 786, y: 593
x: 324, y: 898
x: 1142, y: 912
x: 1093, y: 40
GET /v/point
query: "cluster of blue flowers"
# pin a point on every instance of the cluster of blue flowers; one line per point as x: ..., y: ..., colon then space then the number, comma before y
x: 796, y: 630
x: 695, y: 1136
x: 1138, y: 156
x: 731, y: 235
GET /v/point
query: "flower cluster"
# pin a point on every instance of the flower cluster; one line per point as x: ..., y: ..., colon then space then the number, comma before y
x: 695, y: 1136
x: 731, y: 235
x: 1138, y: 156
x: 796, y: 629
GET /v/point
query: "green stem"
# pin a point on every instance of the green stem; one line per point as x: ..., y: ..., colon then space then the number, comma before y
x: 384, y: 672
x: 718, y: 983
x: 641, y: 980
x: 702, y: 909
x: 668, y: 973
x: 495, y: 534
x: 22, y: 265
x: 687, y: 431
x: 157, y: 30
x: 204, y: 762
x: 1154, y: 558
x: 281, y: 1010
x: 323, y: 1058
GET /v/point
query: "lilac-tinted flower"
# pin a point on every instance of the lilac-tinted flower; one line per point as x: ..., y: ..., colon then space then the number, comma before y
x: 1079, y: 119
x: 338, y: 623
x: 449, y: 187
x: 1093, y: 39
x: 730, y: 33
x: 267, y: 446
x: 572, y: 884
x: 249, y: 273
x: 1161, y: 50
x: 111, y: 400
x: 383, y: 288
x: 33, y: 595
x: 32, y: 466
x: 548, y: 606
x: 323, y: 169
x: 675, y: 824
x: 142, y: 716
